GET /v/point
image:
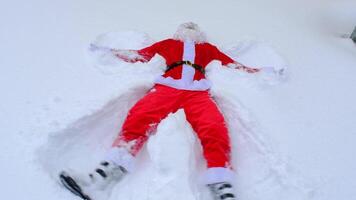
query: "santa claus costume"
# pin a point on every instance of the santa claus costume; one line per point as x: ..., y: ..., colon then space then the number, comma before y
x: 182, y: 86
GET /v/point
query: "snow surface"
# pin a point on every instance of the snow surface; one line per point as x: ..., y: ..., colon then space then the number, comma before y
x: 292, y: 139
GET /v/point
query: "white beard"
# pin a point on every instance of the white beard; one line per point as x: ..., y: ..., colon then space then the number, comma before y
x: 186, y: 34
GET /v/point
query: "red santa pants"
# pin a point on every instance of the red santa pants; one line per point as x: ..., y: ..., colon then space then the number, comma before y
x: 200, y: 110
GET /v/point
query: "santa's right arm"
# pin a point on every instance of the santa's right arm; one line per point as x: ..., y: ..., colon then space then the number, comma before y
x: 142, y: 55
x: 128, y: 55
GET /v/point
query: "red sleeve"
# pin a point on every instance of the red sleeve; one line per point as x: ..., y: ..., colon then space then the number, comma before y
x: 148, y: 52
x: 218, y: 55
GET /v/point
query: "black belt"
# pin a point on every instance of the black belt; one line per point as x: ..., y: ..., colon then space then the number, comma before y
x: 186, y: 62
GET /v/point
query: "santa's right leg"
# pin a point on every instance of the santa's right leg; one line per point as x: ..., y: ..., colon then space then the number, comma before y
x: 140, y: 122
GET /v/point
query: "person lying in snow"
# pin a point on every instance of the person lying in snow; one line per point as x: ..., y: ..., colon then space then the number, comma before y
x: 183, y: 85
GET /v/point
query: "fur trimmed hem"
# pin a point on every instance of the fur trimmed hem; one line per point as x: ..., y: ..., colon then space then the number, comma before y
x: 218, y: 175
x: 120, y: 156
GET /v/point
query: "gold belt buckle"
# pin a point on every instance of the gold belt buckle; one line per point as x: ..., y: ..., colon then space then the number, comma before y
x: 188, y: 63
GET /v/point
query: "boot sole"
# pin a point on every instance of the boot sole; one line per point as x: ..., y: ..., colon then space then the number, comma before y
x: 70, y: 184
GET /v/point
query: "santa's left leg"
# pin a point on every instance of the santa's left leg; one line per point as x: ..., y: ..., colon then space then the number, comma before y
x: 119, y: 160
x: 209, y: 124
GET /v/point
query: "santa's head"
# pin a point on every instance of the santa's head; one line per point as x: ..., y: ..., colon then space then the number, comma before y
x: 190, y: 31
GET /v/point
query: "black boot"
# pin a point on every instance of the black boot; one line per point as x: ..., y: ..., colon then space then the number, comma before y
x: 222, y: 191
x: 101, y: 178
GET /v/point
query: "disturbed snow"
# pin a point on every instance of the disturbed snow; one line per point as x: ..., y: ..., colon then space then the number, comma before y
x: 171, y: 163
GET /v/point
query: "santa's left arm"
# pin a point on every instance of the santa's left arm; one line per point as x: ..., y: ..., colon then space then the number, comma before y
x: 231, y: 63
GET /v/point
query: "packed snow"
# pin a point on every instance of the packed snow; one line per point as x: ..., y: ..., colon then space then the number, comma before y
x: 292, y: 127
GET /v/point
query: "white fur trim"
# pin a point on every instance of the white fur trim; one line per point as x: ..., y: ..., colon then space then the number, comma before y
x: 218, y: 175
x: 200, y: 85
x: 188, y: 72
x: 120, y: 156
x: 231, y: 65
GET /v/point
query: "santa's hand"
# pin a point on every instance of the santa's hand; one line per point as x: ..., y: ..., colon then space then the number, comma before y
x: 94, y: 47
x: 267, y: 69
x: 272, y: 70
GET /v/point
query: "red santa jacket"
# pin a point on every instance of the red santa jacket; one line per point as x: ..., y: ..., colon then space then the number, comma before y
x: 184, y: 76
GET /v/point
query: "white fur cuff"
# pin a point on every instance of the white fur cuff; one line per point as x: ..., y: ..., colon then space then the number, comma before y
x: 218, y: 175
x: 120, y: 156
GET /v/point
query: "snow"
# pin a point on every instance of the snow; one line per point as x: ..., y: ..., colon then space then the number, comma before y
x: 292, y: 139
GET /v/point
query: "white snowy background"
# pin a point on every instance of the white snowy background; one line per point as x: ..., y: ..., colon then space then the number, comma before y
x: 293, y: 140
